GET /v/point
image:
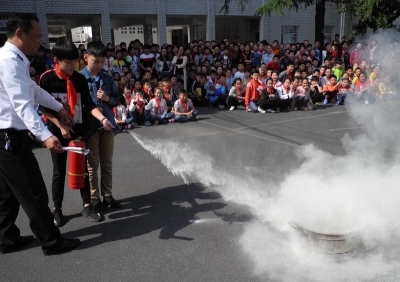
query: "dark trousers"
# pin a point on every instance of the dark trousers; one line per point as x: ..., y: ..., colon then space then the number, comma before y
x: 58, y: 183
x: 221, y: 100
x: 233, y: 102
x: 285, y: 103
x: 317, y: 97
x: 269, y: 104
x: 199, y: 102
x: 21, y: 183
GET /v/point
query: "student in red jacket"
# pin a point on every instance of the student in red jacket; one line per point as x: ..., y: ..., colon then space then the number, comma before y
x: 253, y: 92
x: 274, y: 64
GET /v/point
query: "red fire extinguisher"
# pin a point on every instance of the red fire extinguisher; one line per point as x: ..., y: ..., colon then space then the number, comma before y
x: 76, y: 166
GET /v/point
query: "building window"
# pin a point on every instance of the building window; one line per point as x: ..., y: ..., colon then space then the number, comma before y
x: 289, y: 34
x: 328, y: 33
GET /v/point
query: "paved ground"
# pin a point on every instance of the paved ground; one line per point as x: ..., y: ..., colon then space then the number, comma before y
x: 168, y: 230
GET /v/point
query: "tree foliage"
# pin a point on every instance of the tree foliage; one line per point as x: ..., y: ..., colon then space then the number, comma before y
x: 372, y: 14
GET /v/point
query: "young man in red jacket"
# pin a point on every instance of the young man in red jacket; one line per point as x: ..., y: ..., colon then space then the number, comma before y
x: 253, y: 93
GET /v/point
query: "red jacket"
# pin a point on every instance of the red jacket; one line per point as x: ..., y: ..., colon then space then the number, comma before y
x: 356, y: 56
x: 271, y: 65
x: 252, y: 93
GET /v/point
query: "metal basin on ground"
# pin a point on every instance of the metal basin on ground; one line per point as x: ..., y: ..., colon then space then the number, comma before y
x: 330, y: 244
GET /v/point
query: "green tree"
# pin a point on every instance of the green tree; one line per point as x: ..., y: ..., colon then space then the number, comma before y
x: 372, y: 13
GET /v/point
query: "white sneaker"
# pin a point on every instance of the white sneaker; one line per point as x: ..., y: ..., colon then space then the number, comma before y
x: 249, y: 110
x: 241, y: 107
x: 261, y: 110
x: 270, y: 111
x: 221, y: 106
x: 232, y: 108
x: 366, y: 102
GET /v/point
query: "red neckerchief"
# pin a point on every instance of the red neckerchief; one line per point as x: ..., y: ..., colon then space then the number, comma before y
x: 289, y: 74
x: 239, y: 91
x: 140, y: 104
x: 214, y: 83
x: 274, y: 82
x: 270, y: 90
x: 72, y: 96
x: 166, y: 93
x: 158, y: 107
x: 184, y: 105
x: 147, y: 91
x: 286, y: 89
x: 128, y: 99
x: 261, y: 54
x: 225, y: 84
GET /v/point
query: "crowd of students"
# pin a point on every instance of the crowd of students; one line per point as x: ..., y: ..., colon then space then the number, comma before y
x: 167, y: 84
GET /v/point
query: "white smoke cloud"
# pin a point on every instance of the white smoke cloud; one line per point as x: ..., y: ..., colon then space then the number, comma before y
x: 354, y: 193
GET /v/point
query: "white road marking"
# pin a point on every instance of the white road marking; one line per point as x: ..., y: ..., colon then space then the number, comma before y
x: 239, y: 130
x: 348, y: 128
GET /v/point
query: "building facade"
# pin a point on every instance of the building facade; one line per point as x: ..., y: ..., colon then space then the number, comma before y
x: 174, y: 21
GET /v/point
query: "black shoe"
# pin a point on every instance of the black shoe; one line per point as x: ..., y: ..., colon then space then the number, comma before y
x: 64, y: 246
x: 23, y: 241
x: 58, y: 217
x: 91, y: 212
x: 112, y: 202
x: 97, y: 203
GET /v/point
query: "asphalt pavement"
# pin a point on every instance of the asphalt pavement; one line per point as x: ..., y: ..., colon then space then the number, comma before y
x: 169, y: 230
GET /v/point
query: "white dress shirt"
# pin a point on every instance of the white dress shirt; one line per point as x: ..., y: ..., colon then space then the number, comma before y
x: 20, y: 95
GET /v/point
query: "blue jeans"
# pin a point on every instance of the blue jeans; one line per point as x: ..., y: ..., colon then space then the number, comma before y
x: 302, y: 101
x: 340, y: 99
x: 181, y: 119
x: 253, y: 106
x: 154, y: 117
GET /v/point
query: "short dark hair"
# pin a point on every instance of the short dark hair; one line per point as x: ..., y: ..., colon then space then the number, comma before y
x: 183, y: 91
x: 65, y: 49
x: 314, y: 78
x: 21, y: 21
x: 235, y: 80
x: 96, y: 49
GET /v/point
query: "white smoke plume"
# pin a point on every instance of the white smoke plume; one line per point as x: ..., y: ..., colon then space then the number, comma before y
x: 357, y: 193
